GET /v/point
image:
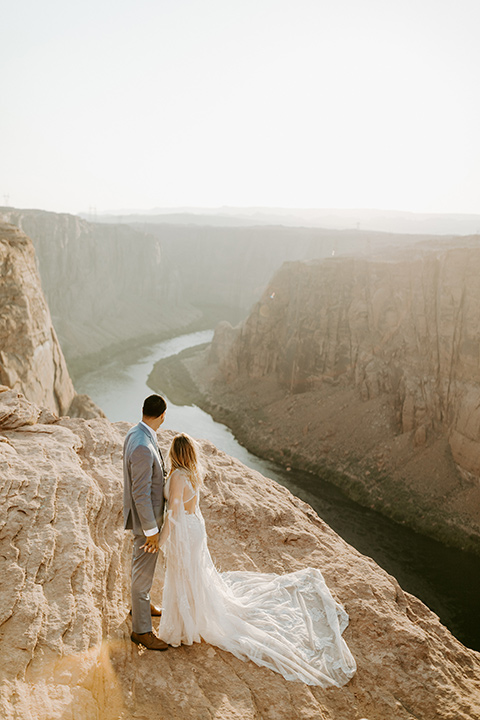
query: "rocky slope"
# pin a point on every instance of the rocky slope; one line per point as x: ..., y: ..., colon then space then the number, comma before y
x: 31, y: 359
x: 64, y: 623
x: 368, y: 372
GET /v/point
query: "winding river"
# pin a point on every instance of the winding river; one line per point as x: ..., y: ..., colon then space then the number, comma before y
x: 445, y: 579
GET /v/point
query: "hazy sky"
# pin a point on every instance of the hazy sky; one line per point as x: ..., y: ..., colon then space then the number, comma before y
x: 286, y: 103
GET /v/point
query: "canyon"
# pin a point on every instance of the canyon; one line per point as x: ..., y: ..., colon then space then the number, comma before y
x: 360, y: 367
x: 64, y: 616
x: 363, y: 369
x: 366, y: 371
x: 111, y: 286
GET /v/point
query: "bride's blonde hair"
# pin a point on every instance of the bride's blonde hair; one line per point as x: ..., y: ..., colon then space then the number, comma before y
x: 183, y: 456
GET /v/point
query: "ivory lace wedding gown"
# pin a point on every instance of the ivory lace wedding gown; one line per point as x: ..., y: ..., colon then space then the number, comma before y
x: 289, y: 623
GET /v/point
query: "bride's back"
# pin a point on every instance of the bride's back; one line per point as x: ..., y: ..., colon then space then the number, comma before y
x: 178, y: 486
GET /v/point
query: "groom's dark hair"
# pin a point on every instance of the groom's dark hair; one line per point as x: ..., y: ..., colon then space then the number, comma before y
x: 154, y: 406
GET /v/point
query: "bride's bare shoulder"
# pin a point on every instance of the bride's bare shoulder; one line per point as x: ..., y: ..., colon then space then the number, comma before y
x: 179, y: 477
x: 179, y: 472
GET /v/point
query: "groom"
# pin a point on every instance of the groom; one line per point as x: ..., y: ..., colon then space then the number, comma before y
x: 143, y: 476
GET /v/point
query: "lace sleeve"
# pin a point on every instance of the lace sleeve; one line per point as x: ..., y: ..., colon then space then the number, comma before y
x: 175, y: 510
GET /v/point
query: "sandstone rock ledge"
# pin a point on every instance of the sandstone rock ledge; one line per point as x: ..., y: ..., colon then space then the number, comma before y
x: 64, y: 625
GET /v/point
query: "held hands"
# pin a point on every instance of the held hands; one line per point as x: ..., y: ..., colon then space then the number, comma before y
x: 151, y: 543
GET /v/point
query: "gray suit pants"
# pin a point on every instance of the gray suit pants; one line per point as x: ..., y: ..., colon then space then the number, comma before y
x: 143, y: 569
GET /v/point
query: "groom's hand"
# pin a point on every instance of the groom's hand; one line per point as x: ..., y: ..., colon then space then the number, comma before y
x: 151, y: 543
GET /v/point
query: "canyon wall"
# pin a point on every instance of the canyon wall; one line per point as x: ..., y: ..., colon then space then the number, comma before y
x: 31, y: 359
x: 113, y: 284
x: 369, y: 371
x: 104, y: 284
x: 64, y: 599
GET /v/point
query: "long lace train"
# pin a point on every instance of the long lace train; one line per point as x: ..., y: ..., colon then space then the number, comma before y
x: 289, y: 623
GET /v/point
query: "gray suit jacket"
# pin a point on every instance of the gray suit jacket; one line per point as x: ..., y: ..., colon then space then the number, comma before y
x: 143, y: 478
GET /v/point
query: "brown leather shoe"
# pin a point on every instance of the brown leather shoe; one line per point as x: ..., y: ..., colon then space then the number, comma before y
x: 149, y: 640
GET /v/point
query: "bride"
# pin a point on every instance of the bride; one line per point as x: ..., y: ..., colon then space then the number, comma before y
x: 288, y: 623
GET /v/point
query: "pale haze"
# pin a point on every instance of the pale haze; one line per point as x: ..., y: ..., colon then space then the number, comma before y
x: 205, y: 103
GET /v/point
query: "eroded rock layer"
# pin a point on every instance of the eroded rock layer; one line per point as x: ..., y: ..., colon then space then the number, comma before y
x: 64, y: 598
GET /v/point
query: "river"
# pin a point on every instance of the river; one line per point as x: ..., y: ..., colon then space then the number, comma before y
x: 445, y: 579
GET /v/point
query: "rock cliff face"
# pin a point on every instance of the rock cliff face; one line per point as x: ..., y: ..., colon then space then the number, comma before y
x: 30, y: 356
x: 64, y: 623
x: 31, y: 360
x: 105, y: 284
x: 370, y: 371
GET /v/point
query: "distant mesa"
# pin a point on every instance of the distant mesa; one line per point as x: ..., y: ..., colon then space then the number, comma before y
x: 387, y: 221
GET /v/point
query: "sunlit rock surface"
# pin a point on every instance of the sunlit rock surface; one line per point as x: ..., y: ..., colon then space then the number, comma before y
x: 31, y: 360
x: 369, y: 371
x: 65, y: 650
